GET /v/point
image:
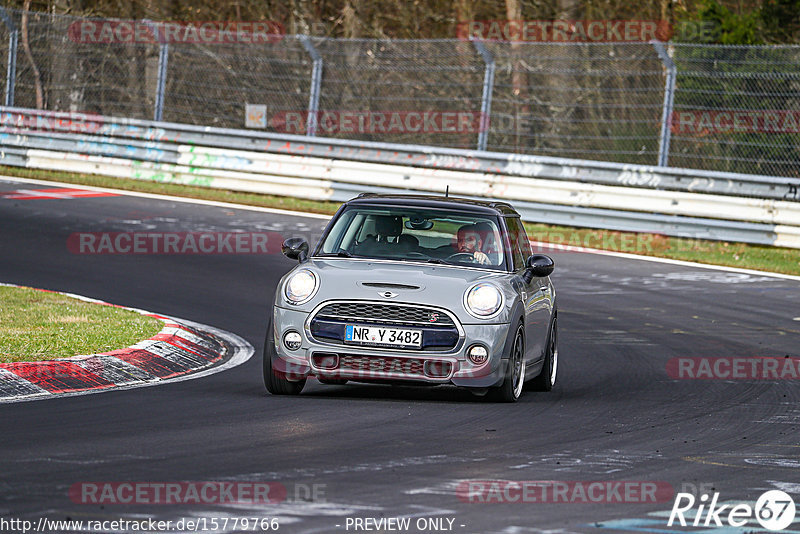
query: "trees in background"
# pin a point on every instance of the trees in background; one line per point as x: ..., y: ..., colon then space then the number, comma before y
x: 739, y: 22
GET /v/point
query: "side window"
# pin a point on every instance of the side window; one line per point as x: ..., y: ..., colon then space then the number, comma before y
x: 514, y: 231
x: 524, y: 241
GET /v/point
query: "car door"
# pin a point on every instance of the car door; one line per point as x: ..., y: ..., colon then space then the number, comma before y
x: 535, y: 293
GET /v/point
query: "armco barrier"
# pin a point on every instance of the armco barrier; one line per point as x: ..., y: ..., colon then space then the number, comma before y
x: 681, y: 202
x: 20, y: 120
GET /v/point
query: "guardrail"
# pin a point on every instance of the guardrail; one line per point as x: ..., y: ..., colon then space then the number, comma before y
x: 679, y: 202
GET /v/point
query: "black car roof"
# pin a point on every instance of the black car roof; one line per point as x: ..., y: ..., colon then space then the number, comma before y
x: 435, y: 201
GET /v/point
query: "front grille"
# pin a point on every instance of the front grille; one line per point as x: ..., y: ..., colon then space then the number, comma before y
x: 380, y: 364
x: 363, y: 312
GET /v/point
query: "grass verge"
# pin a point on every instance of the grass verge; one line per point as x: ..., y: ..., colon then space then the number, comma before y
x: 741, y: 255
x: 39, y: 325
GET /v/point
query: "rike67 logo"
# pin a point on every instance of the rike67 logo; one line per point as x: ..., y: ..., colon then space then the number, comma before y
x: 774, y: 510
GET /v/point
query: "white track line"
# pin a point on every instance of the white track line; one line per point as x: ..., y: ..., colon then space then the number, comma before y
x: 623, y: 255
x: 166, y: 197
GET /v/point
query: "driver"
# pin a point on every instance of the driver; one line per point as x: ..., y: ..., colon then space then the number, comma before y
x: 469, y: 242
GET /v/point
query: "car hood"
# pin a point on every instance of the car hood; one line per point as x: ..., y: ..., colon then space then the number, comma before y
x: 435, y: 285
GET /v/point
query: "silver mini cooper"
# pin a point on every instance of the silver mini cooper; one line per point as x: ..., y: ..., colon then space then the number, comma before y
x: 416, y: 289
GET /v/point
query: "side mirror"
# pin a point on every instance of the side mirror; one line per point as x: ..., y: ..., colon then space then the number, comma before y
x: 540, y: 265
x: 295, y: 248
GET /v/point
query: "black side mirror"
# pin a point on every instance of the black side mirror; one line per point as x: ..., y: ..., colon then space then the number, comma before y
x: 295, y: 248
x: 540, y: 266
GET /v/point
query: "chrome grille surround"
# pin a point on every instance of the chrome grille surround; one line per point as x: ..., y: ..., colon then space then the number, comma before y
x: 411, y: 315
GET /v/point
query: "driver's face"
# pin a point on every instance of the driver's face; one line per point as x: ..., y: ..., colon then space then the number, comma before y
x: 468, y: 241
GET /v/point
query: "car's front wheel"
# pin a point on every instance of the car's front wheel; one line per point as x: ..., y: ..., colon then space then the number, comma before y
x: 547, y: 378
x: 511, y: 388
x: 276, y: 381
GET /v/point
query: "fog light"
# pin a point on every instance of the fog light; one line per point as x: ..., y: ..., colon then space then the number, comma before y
x: 323, y: 360
x: 434, y: 369
x: 478, y: 354
x: 292, y: 340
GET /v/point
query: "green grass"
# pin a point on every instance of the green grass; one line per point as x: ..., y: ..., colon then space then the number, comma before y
x: 38, y: 325
x: 781, y: 260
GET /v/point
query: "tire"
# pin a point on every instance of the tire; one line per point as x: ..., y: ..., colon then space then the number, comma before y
x: 511, y: 388
x: 275, y: 381
x: 547, y: 378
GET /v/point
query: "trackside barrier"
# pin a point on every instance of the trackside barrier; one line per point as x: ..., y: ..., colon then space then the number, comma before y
x: 678, y: 202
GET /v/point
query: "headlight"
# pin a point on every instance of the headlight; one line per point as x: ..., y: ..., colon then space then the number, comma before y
x: 301, y: 286
x: 483, y: 300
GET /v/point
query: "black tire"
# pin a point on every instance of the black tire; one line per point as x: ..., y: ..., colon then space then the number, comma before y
x: 547, y: 378
x: 511, y: 388
x: 275, y: 381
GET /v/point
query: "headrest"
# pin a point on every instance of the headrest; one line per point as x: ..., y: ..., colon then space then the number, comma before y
x: 388, y: 225
x: 483, y: 228
x: 486, y: 232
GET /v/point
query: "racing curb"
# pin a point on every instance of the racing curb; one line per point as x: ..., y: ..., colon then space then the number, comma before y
x: 182, y: 350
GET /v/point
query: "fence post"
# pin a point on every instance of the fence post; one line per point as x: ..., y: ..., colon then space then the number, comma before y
x: 11, y: 72
x: 316, y: 83
x: 163, y: 59
x: 669, y: 97
x: 486, y: 96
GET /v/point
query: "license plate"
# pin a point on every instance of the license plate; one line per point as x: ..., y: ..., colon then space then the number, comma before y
x: 373, y: 335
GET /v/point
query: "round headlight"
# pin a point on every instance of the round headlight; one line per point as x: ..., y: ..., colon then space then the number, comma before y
x: 301, y: 286
x: 483, y: 300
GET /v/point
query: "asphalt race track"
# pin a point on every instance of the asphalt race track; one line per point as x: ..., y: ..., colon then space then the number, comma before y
x: 369, y: 451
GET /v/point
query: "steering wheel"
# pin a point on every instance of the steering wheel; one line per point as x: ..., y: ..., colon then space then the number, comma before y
x: 461, y: 256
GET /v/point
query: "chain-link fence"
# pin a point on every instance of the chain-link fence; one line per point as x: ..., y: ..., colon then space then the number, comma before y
x: 699, y: 106
x: 742, y: 105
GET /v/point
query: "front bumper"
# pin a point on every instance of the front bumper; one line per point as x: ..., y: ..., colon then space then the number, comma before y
x: 329, y: 360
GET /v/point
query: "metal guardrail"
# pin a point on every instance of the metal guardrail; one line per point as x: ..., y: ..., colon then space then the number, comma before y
x: 24, y: 121
x: 552, y: 190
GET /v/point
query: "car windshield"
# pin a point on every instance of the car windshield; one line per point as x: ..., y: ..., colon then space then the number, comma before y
x: 416, y: 234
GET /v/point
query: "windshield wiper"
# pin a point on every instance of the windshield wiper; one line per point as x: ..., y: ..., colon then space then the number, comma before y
x: 436, y: 260
x: 341, y: 254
